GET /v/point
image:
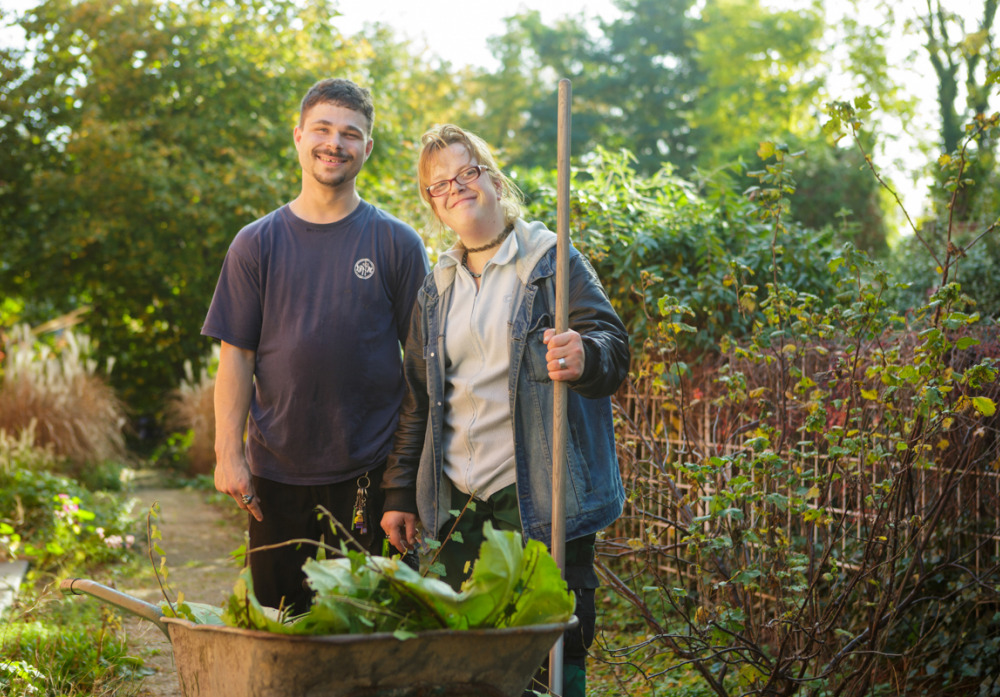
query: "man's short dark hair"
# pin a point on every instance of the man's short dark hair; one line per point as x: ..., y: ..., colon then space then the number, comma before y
x: 340, y: 92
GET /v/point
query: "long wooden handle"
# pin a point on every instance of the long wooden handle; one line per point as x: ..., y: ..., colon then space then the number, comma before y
x: 560, y: 422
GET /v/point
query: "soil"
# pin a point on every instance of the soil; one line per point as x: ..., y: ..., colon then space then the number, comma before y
x: 198, y: 537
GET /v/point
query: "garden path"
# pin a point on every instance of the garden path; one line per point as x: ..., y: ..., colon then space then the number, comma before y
x: 197, y: 538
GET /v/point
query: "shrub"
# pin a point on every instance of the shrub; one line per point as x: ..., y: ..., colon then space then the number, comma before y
x: 53, y: 520
x: 976, y: 270
x: 51, y: 647
x: 816, y: 513
x: 699, y: 245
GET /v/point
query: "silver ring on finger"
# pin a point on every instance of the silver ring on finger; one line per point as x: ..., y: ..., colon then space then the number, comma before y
x: 247, y: 498
x: 562, y: 364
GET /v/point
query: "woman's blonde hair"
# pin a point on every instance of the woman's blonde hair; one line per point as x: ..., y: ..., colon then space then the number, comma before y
x: 443, y: 135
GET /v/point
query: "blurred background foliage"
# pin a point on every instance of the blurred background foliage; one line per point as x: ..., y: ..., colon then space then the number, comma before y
x: 138, y: 136
x: 729, y: 192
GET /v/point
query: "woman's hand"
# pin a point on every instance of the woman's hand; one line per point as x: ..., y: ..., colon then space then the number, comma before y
x: 565, y: 357
x: 401, y: 529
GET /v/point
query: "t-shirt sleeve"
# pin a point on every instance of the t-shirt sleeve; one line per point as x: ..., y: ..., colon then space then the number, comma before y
x: 411, y: 269
x: 234, y: 315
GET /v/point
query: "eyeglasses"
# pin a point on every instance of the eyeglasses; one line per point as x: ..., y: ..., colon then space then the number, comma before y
x: 466, y: 176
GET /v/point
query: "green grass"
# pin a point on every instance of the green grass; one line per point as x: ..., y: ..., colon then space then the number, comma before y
x: 64, y: 648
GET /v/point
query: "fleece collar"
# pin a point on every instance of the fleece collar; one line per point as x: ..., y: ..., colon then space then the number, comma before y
x: 531, y: 242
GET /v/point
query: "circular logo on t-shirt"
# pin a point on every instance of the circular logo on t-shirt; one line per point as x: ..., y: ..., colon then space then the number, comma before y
x: 364, y: 268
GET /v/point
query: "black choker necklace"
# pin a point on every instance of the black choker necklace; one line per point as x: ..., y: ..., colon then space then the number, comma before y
x: 465, y: 265
x: 495, y: 242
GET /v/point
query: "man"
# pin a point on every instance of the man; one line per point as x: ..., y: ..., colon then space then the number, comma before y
x: 311, y: 308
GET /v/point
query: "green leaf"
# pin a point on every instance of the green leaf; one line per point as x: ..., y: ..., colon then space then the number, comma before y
x: 242, y: 609
x: 199, y: 613
x: 984, y: 405
x: 511, y: 585
x: 747, y: 576
x: 779, y: 500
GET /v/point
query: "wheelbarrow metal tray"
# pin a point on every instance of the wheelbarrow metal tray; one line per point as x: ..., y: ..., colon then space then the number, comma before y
x: 214, y: 661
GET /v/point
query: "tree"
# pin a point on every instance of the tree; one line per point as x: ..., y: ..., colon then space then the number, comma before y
x: 519, y: 98
x: 632, y: 84
x: 653, y: 80
x: 671, y: 80
x: 963, y: 59
x: 502, y: 98
x: 143, y: 136
x: 761, y: 80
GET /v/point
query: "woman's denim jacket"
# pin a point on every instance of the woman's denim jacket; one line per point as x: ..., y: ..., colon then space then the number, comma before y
x: 414, y: 480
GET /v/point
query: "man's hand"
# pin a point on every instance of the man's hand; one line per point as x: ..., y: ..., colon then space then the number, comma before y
x: 401, y: 529
x: 232, y: 478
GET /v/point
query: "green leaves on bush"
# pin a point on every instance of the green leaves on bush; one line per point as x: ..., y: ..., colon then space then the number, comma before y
x: 646, y: 235
x: 54, y: 520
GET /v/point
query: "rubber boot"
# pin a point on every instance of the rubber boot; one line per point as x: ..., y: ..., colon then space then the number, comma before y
x: 574, y: 681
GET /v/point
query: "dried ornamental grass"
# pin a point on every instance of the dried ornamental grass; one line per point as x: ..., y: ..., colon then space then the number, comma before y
x: 58, y: 392
x: 192, y: 408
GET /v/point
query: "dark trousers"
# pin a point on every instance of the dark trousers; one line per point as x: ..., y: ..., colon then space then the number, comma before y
x: 290, y: 512
x: 502, y: 511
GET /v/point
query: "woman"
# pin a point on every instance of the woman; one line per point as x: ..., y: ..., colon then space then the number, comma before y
x: 481, y: 357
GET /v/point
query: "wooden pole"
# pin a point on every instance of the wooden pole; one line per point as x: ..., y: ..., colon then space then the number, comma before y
x: 560, y: 422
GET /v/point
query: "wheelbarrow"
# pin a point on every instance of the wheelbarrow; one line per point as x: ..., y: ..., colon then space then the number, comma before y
x: 216, y: 661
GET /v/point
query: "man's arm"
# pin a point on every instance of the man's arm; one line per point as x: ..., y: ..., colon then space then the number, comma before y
x: 233, y: 388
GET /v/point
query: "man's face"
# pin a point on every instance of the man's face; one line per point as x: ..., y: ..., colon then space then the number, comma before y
x: 332, y: 143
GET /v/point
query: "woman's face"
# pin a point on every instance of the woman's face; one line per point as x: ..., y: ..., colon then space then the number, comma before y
x: 472, y: 210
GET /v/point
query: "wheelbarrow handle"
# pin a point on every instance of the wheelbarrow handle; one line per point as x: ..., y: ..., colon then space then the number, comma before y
x: 140, y: 608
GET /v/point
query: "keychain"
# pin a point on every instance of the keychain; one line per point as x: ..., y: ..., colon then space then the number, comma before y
x: 360, y: 518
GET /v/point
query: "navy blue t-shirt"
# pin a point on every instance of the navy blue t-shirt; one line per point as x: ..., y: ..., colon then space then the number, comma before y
x: 326, y: 308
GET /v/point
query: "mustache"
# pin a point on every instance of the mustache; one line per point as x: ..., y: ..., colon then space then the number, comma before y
x: 332, y: 153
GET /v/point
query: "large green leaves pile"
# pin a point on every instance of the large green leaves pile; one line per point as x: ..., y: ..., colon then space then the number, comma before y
x: 511, y: 585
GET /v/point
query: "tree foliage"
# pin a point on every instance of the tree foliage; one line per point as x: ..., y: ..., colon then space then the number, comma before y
x: 641, y: 232
x: 760, y: 82
x: 144, y: 135
x: 697, y: 86
x: 138, y: 136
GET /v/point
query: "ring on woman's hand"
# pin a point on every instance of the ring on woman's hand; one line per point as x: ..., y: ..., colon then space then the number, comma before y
x: 562, y: 364
x: 247, y: 498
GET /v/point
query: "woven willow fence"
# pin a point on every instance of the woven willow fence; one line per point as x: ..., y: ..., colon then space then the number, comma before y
x: 657, y: 431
